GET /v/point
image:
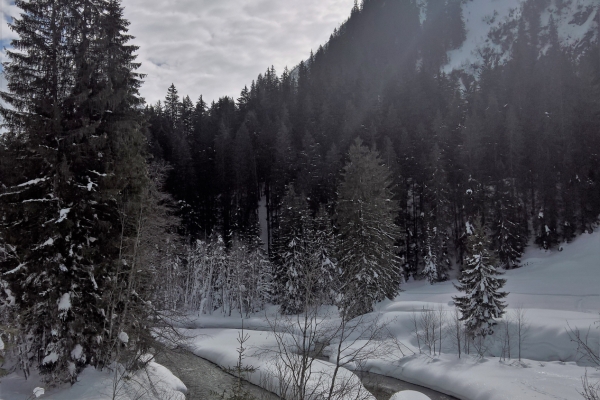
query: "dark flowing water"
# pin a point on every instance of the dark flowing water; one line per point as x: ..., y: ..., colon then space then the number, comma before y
x: 206, y: 381
x: 383, y: 387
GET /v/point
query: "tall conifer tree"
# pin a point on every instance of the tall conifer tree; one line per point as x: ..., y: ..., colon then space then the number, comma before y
x: 365, y: 215
x: 74, y: 125
x: 482, y: 303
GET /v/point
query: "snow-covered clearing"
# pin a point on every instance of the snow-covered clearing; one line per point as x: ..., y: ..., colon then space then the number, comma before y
x: 556, y: 289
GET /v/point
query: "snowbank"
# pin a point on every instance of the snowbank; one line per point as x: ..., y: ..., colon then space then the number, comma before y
x: 489, y: 379
x: 556, y: 289
x: 156, y: 383
x: 409, y: 395
x: 220, y: 347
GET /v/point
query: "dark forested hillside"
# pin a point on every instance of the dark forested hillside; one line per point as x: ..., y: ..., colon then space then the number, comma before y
x: 514, y: 144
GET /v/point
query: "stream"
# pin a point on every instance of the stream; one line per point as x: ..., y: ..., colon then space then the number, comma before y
x: 206, y: 381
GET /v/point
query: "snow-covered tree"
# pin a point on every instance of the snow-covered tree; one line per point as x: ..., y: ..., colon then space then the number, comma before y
x: 305, y: 272
x: 365, y: 216
x: 482, y: 303
x: 438, y: 216
x: 431, y: 268
x: 73, y: 196
x: 287, y: 254
x: 509, y: 237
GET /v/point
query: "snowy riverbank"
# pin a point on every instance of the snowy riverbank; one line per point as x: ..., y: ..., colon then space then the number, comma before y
x: 556, y: 290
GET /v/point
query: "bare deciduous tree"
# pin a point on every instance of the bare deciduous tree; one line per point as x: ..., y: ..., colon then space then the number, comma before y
x: 456, y: 329
x: 507, y: 334
x: 588, y: 349
x: 521, y: 327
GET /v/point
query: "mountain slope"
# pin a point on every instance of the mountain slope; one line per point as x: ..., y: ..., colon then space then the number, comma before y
x: 494, y: 23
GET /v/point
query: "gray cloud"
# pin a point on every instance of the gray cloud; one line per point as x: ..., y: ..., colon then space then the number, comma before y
x: 215, y: 47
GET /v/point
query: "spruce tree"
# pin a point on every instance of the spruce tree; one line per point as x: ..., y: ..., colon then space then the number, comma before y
x: 75, y: 131
x: 437, y: 237
x: 289, y: 254
x: 365, y: 216
x: 431, y: 269
x: 509, y: 236
x: 482, y: 303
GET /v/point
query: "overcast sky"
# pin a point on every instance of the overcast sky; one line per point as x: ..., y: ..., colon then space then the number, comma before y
x: 215, y: 47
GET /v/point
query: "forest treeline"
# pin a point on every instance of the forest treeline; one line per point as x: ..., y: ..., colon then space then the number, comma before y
x: 516, y: 144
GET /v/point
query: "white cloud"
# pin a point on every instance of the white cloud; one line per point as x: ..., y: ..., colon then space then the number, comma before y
x: 215, y: 47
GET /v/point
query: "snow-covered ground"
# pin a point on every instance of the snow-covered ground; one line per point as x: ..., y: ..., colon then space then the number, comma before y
x: 556, y: 289
x: 220, y: 346
x: 156, y: 383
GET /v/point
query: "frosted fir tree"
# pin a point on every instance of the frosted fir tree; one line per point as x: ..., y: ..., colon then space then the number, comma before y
x: 438, y: 216
x: 365, y: 215
x: 75, y: 199
x: 305, y: 271
x: 482, y: 303
x: 288, y: 253
x: 509, y: 235
x: 430, y: 271
x: 322, y: 248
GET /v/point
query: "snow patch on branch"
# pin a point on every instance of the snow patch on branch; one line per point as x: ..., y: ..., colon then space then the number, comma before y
x: 50, y: 358
x: 77, y: 352
x: 63, y: 215
x: 64, y: 303
x: 97, y: 173
x: 33, y: 182
x: 48, y: 242
x: 124, y: 337
x: 14, y: 270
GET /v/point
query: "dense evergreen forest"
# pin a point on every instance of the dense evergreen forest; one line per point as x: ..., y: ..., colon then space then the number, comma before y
x: 516, y: 144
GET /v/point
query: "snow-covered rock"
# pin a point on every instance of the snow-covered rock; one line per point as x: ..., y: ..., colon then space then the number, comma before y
x: 409, y: 395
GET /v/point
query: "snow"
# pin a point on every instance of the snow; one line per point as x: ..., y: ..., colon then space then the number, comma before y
x: 38, y: 391
x: 77, y: 352
x: 64, y: 303
x: 17, y: 269
x: 32, y: 182
x: 93, y: 384
x: 409, y: 395
x: 569, y: 32
x: 469, y: 228
x: 48, y: 242
x: 50, y: 358
x: 478, y: 16
x: 124, y: 337
x: 555, y: 289
x: 93, y: 281
x: 63, y: 215
x: 483, y: 17
x: 220, y: 346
